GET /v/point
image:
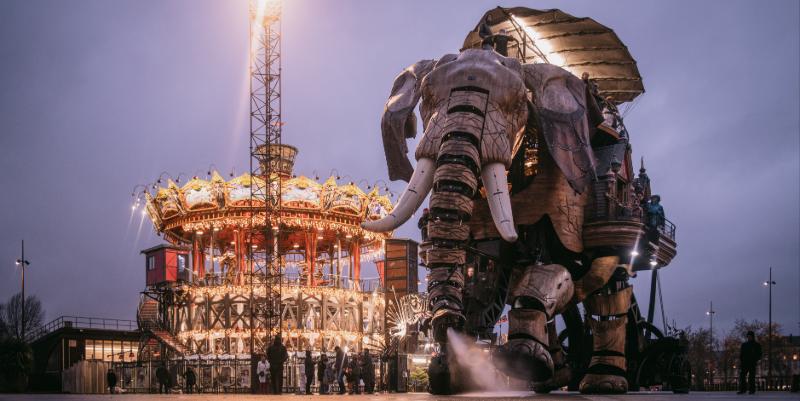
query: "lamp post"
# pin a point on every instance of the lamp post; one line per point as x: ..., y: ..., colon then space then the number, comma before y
x: 710, y: 312
x: 769, y: 284
x: 24, y: 263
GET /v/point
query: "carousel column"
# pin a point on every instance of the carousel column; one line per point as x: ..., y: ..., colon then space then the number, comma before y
x: 211, y: 255
x: 338, y: 248
x: 379, y: 266
x: 241, y: 249
x: 198, y: 262
x: 356, y: 269
x: 311, y: 256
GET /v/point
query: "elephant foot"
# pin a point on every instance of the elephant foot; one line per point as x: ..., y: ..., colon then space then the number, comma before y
x: 560, y: 379
x: 594, y: 383
x: 444, y: 319
x: 525, y: 359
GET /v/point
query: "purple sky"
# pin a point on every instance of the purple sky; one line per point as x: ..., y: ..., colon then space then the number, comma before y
x: 97, y: 96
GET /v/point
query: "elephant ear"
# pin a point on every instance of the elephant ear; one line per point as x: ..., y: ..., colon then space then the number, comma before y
x: 560, y: 104
x: 399, y: 122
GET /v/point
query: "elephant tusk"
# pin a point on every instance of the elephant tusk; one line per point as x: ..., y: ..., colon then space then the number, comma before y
x: 412, y: 197
x: 494, y: 180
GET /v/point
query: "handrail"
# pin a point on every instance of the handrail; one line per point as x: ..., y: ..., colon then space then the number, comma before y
x: 83, y: 322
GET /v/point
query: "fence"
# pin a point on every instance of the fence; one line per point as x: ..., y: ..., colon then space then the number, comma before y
x: 213, y: 375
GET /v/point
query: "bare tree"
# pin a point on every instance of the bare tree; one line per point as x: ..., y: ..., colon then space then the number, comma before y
x: 11, y: 315
x: 701, y: 356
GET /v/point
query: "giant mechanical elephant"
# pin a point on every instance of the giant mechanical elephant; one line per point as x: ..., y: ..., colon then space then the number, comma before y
x: 487, y: 119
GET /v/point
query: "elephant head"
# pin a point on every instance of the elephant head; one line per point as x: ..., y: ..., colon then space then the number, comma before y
x: 474, y: 109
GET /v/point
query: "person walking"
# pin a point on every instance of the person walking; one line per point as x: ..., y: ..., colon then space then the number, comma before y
x: 262, y: 371
x: 277, y: 356
x: 321, y: 373
x: 749, y: 356
x: 309, y: 370
x: 339, y: 368
x: 111, y: 381
x: 162, y: 376
x: 191, y: 379
x: 368, y: 372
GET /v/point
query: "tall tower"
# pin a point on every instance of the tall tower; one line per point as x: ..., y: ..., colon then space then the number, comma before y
x: 266, y: 154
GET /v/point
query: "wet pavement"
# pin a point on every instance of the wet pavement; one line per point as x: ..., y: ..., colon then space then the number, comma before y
x: 507, y: 395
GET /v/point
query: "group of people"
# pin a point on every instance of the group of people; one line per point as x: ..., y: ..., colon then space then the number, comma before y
x: 347, y: 371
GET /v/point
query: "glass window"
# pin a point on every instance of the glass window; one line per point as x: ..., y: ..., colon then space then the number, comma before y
x: 88, y: 350
x: 151, y: 262
x: 181, y: 263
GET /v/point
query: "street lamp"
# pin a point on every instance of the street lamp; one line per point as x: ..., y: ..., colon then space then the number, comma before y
x: 769, y: 284
x: 710, y: 312
x: 23, y: 263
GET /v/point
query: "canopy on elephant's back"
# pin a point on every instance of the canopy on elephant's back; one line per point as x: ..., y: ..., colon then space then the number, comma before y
x: 577, y: 44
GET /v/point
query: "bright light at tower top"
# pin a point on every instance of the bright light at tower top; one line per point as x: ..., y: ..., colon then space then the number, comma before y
x: 260, y: 9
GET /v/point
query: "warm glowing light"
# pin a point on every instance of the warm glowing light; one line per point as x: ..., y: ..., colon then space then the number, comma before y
x: 199, y: 232
x: 542, y: 44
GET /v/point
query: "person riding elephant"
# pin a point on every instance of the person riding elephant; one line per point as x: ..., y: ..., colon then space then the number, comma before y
x: 478, y: 120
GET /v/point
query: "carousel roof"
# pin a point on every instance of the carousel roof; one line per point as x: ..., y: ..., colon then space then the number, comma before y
x: 577, y: 44
x: 303, y: 201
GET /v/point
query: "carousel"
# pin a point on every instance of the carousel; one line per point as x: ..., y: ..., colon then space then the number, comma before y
x: 222, y: 242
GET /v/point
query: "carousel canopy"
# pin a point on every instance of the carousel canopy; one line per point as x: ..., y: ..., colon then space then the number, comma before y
x: 305, y: 203
x: 580, y: 45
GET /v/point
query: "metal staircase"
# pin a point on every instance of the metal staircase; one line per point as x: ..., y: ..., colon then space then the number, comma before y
x: 150, y: 324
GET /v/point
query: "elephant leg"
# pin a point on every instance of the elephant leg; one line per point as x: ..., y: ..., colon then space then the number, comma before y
x: 607, y: 310
x: 562, y: 372
x: 536, y: 297
x: 598, y: 275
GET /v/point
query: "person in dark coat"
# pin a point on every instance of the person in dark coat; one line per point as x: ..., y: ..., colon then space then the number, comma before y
x: 277, y: 356
x: 422, y: 224
x: 111, y: 381
x: 162, y: 376
x: 749, y: 356
x: 368, y: 372
x: 322, y: 365
x: 354, y: 374
x: 339, y: 368
x: 191, y: 380
x: 309, y: 370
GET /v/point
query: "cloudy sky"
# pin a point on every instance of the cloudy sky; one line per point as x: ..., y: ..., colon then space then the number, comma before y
x: 98, y: 96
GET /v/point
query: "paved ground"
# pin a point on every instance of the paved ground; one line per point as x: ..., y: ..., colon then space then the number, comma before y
x: 653, y: 396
